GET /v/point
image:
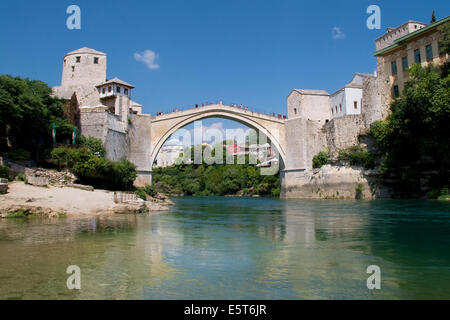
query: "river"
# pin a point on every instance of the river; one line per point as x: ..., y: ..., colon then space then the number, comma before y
x: 235, y: 248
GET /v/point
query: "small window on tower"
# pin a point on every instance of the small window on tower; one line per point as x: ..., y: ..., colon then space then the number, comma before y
x: 78, y: 59
x: 104, y: 90
x: 396, y: 92
x: 95, y: 60
x: 118, y: 89
x: 125, y: 91
x: 109, y: 89
x: 73, y: 68
x: 340, y: 107
x: 355, y: 104
x: 295, y: 110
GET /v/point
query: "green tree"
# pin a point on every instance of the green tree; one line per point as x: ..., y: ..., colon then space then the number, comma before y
x: 27, y: 113
x: 444, y: 43
x: 416, y: 136
x: 433, y: 17
x: 320, y: 160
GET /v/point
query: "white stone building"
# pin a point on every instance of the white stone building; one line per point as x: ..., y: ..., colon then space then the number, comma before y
x: 169, y: 153
x: 318, y: 105
x: 84, y: 73
x: 348, y: 99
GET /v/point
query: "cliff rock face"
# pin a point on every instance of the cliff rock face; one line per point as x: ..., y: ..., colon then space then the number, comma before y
x: 332, y: 182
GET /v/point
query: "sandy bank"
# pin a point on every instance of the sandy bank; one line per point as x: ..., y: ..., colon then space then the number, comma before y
x: 54, y: 201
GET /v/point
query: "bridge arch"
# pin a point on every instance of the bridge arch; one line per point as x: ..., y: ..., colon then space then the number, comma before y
x: 166, y: 125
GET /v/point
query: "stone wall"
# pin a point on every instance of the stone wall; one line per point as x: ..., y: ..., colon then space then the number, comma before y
x: 309, y: 104
x: 372, y: 108
x: 342, y: 133
x: 94, y: 122
x: 140, y: 147
x: 304, y: 139
x: 331, y: 182
x: 116, y: 145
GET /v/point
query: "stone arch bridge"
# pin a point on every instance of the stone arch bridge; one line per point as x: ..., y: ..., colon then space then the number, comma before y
x: 146, y: 139
x: 140, y: 137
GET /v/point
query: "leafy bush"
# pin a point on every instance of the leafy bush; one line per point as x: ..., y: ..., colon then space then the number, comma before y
x: 215, y: 180
x: 416, y: 135
x: 18, y: 155
x: 357, y: 156
x: 94, y: 145
x: 320, y: 160
x: 90, y: 168
x: 27, y: 114
x: 380, y: 131
x: 150, y: 190
x: 359, y: 191
x: 140, y: 192
x: 4, y: 172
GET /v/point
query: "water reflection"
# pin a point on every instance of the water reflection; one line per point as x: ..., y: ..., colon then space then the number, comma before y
x: 234, y: 248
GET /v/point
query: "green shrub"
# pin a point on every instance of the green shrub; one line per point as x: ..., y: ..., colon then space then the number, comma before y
x: 21, y: 177
x: 123, y: 172
x: 93, y: 169
x: 19, y: 155
x: 94, y: 145
x: 4, y: 172
x: 140, y: 192
x: 357, y: 156
x: 359, y: 191
x: 380, y: 131
x: 320, y: 160
x: 150, y: 190
x: 276, y: 192
x: 17, y: 214
x: 433, y: 194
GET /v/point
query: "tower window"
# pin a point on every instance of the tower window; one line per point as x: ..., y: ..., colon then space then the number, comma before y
x: 340, y: 107
x: 118, y: 89
x: 355, y: 104
x: 109, y: 89
x: 73, y: 68
x: 405, y: 63
x: 95, y: 60
x: 396, y: 92
x: 295, y: 110
x: 336, y: 108
x: 394, y: 67
x: 78, y: 59
x: 429, y: 51
x: 417, y: 57
x: 125, y: 91
x: 103, y: 90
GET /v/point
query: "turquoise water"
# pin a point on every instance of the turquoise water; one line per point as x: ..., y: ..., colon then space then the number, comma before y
x: 235, y: 248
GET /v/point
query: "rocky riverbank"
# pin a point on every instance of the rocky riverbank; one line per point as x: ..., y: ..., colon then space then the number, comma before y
x: 23, y: 200
x: 334, y: 182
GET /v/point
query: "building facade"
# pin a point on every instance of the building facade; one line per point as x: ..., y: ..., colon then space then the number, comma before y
x: 412, y: 42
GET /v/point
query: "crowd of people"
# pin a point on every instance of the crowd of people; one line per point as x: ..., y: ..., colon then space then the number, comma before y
x: 239, y: 106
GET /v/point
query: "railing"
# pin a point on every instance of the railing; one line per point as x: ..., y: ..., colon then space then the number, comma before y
x: 220, y: 103
x: 122, y: 197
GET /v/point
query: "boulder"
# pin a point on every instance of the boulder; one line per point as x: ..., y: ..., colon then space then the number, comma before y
x: 3, y: 186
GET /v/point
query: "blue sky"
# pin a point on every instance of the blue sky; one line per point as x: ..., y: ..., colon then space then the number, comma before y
x: 248, y: 51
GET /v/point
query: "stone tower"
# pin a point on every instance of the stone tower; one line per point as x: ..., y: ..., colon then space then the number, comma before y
x: 83, y: 70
